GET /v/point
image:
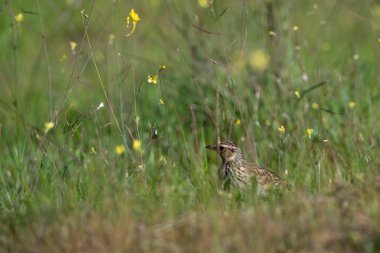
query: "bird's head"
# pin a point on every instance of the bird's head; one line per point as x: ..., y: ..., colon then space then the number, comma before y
x: 227, y: 150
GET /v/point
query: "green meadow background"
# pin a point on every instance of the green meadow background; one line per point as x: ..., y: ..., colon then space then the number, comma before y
x: 294, y: 83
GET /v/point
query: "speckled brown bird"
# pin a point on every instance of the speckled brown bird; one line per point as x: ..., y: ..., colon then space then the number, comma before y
x: 237, y: 172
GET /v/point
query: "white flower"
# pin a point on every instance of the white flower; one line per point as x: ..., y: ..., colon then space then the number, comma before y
x: 305, y: 77
x: 100, y: 106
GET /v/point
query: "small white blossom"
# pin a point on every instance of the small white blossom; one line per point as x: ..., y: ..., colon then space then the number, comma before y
x: 305, y: 78
x: 101, y: 105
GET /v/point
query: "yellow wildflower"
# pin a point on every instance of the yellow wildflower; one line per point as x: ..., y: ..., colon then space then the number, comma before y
x: 309, y: 132
x: 281, y: 129
x: 92, y: 150
x: 204, y: 3
x: 73, y: 46
x: 48, y: 126
x: 315, y: 106
x: 19, y: 18
x: 162, y: 101
x: 161, y: 67
x: 295, y: 28
x: 137, y: 145
x: 153, y: 79
x: 111, y: 39
x: 120, y: 149
x: 351, y: 104
x: 272, y: 33
x: 134, y: 17
x: 259, y: 60
x: 297, y: 94
x: 237, y: 122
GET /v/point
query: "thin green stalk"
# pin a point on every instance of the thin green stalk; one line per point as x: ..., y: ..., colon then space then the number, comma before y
x: 46, y: 58
x: 165, y: 110
x: 105, y: 94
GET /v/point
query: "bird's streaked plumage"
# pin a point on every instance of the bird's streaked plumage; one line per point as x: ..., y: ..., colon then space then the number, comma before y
x: 236, y: 171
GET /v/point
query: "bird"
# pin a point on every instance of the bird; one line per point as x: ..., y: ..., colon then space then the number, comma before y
x: 236, y: 171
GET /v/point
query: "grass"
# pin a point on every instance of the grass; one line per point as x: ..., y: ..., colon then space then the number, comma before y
x: 67, y: 190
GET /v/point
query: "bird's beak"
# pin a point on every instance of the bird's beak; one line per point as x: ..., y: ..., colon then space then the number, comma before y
x: 213, y: 147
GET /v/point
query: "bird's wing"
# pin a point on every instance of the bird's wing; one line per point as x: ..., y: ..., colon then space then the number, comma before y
x: 265, y: 176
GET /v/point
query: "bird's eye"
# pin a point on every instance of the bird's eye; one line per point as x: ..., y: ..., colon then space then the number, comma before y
x: 221, y: 148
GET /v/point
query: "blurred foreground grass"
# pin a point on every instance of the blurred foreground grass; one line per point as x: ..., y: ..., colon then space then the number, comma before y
x: 98, y: 156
